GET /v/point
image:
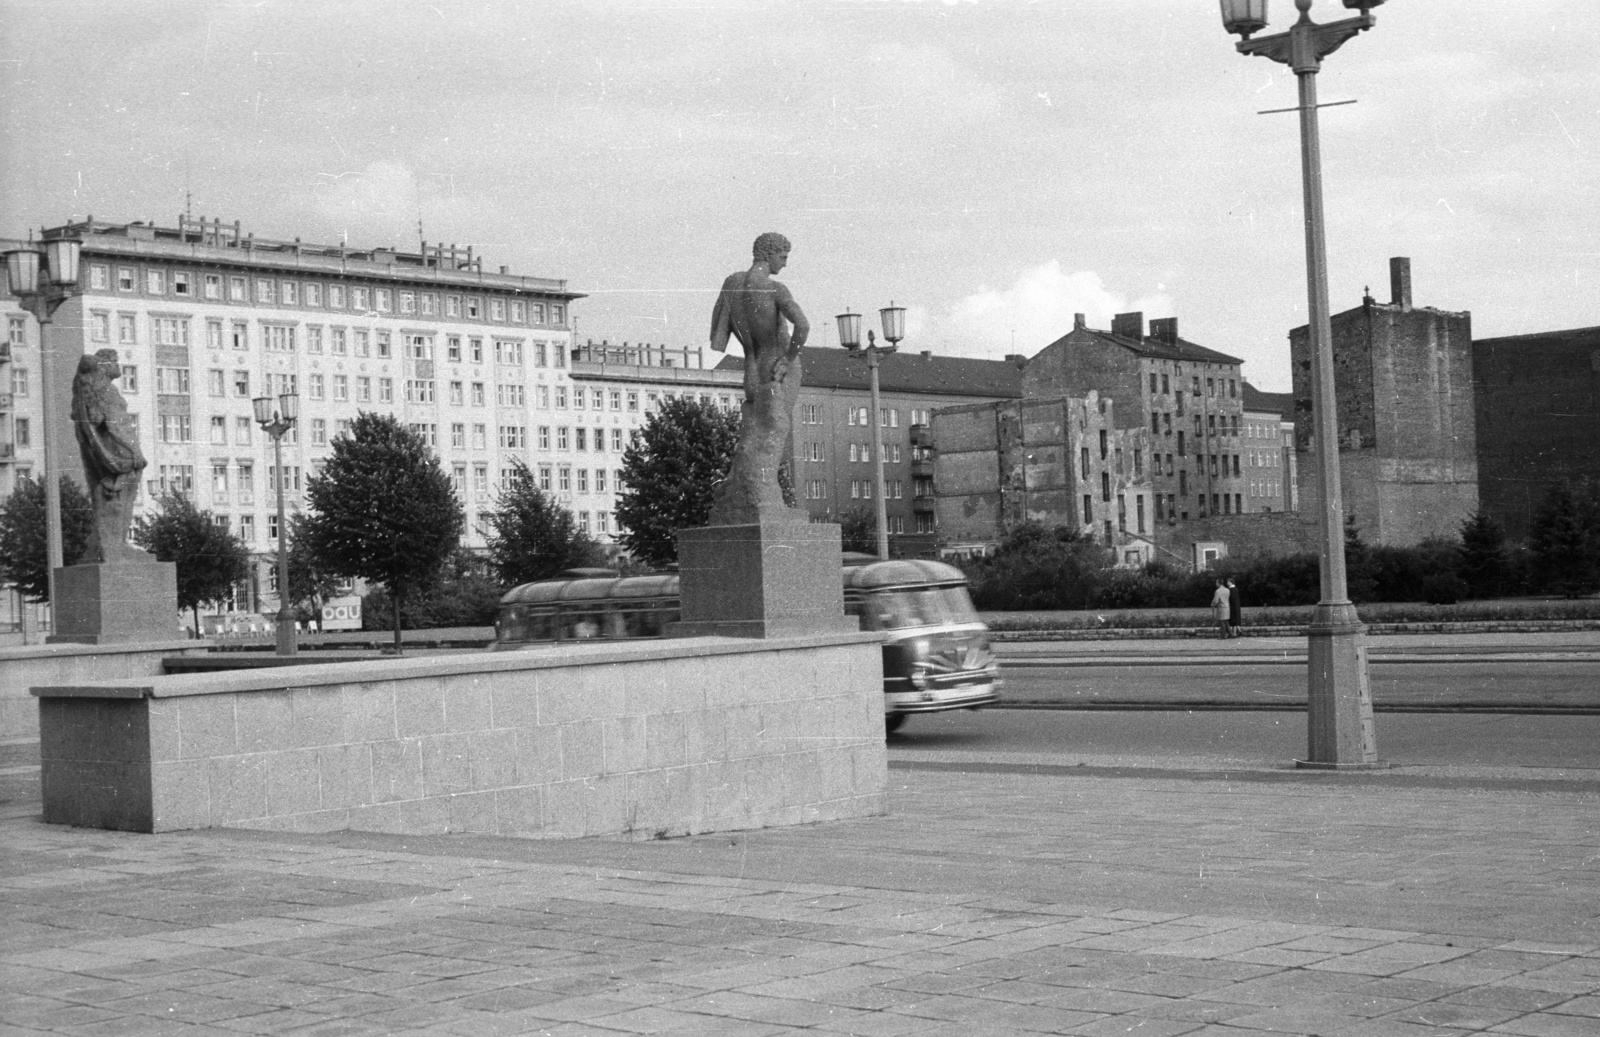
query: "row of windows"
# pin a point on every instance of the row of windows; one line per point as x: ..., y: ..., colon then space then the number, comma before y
x: 888, y: 417
x: 1161, y: 386
x: 1161, y: 424
x: 603, y: 522
x: 181, y: 284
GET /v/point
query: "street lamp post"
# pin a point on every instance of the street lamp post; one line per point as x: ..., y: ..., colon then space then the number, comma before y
x: 41, y: 282
x: 894, y: 328
x: 275, y: 425
x: 1339, y: 719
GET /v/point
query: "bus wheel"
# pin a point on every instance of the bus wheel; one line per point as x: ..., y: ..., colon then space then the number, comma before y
x: 892, y: 722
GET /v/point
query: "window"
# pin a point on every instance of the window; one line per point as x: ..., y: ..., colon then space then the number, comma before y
x: 480, y: 478
x: 363, y: 389
x: 497, y: 309
x: 1155, y: 423
x: 216, y: 382
x: 266, y: 290
x: 99, y: 328
x: 338, y: 341
x: 419, y: 347
x: 173, y: 381
x: 633, y: 401
x: 385, y: 390
x: 383, y: 343
x: 581, y: 438
x: 99, y: 277
x: 480, y: 436
x: 341, y: 387
x: 507, y: 351
x: 540, y: 354
x: 477, y: 394
x: 616, y: 440
x: 130, y: 379
x: 1122, y: 512
x: 1088, y: 509
x: 1138, y: 512
x: 336, y: 296
x: 509, y: 395
x: 174, y: 428
x: 236, y: 290
x: 558, y: 314
x: 381, y: 300
x: 583, y: 480
x: 408, y: 302
x: 315, y: 386
x: 599, y: 480
x: 319, y: 431
x: 313, y: 295
x: 457, y: 393
x: 564, y: 479
x: 277, y: 338
x: 474, y: 307
x: 290, y: 293
x: 561, y: 354
x: 458, y: 435
x: 513, y: 437
x: 561, y: 397
x: 240, y: 335
x: 155, y: 282
x: 452, y: 306
x: 561, y: 438
x: 519, y: 311
x: 20, y: 432
x: 544, y: 477
x: 1102, y: 444
x: 429, y: 303
x: 170, y: 331
x: 363, y: 342
x: 314, y: 338
x: 616, y: 399
x: 1105, y: 486
x: 419, y: 390
x: 1153, y: 382
x: 1083, y: 462
x: 241, y: 437
x: 475, y: 348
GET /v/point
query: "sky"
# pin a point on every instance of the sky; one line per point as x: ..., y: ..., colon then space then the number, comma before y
x: 994, y: 166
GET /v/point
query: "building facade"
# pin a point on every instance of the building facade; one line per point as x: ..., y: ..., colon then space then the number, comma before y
x: 833, y: 465
x: 1061, y: 462
x: 1407, y: 433
x: 1271, y: 465
x: 204, y: 318
x: 1537, y: 420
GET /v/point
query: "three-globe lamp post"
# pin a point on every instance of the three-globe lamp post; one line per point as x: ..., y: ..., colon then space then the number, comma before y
x: 894, y: 329
x: 277, y: 425
x: 42, y: 279
x: 1339, y: 730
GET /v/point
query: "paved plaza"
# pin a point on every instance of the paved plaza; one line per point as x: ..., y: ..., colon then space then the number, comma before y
x: 1092, y: 897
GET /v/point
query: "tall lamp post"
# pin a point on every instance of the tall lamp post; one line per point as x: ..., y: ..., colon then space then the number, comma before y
x: 275, y: 425
x: 1339, y: 731
x: 894, y: 329
x: 41, y: 282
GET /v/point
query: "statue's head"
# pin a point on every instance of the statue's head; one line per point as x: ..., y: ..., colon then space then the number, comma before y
x: 770, y: 245
x: 106, y: 360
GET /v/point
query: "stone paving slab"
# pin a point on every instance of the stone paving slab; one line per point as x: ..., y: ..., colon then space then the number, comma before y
x: 984, y: 904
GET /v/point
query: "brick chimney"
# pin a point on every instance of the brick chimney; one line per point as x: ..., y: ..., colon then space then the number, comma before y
x: 1165, y: 329
x: 1017, y: 360
x: 1078, y: 322
x: 1128, y: 325
x: 1400, y: 282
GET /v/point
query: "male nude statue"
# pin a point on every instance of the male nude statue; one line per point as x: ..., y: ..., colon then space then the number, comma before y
x: 112, y: 460
x: 757, y: 310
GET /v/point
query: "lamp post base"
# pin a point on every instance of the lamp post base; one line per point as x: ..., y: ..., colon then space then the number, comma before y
x: 286, y: 635
x: 1339, y: 733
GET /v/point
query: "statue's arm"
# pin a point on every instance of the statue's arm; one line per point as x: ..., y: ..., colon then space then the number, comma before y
x: 791, y: 309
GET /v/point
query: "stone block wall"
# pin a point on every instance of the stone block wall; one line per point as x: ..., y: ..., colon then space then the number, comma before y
x: 643, y: 738
x: 31, y: 666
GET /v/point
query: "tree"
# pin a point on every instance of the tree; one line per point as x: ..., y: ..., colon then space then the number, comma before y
x: 1038, y: 567
x: 669, y: 473
x: 311, y: 584
x: 858, y: 529
x: 1483, y: 555
x: 533, y: 536
x: 210, y: 560
x: 1565, y: 547
x: 22, y: 534
x: 383, y: 510
x: 465, y: 596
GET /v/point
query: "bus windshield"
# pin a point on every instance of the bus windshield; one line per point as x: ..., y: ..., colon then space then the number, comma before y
x: 921, y: 607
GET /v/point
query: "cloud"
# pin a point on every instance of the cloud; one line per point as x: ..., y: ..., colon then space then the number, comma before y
x: 1032, y: 313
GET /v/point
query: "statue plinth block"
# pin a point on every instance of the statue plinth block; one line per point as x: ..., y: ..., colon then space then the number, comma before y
x: 778, y: 576
x: 116, y: 603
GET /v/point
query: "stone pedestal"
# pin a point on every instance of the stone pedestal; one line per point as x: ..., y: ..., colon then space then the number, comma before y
x: 116, y: 603
x: 778, y: 576
x: 1339, y: 729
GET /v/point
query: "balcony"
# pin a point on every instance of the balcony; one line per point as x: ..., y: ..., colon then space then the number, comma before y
x: 923, y: 503
x: 922, y: 466
x: 922, y: 435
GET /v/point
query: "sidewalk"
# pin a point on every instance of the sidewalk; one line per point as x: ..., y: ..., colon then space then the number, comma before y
x: 1091, y: 901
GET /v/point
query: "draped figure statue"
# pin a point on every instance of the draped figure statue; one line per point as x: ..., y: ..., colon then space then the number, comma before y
x: 112, y: 461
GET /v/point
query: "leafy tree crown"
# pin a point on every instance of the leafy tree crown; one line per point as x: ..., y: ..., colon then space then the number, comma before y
x: 669, y: 474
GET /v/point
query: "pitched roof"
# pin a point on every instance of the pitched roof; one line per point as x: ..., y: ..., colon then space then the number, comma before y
x: 1177, y: 349
x: 832, y: 368
x: 1280, y: 403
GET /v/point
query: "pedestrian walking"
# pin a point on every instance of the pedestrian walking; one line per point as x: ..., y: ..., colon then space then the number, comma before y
x: 1235, y: 607
x: 1220, y: 601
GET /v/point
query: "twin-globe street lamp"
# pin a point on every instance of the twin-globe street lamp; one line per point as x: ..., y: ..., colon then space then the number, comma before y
x: 894, y: 329
x: 1339, y: 732
x: 275, y: 425
x: 41, y: 282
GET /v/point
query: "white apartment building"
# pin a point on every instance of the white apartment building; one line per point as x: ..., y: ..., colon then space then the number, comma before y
x: 204, y: 318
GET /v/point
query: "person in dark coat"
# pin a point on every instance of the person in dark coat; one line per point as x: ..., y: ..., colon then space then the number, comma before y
x: 1235, y: 608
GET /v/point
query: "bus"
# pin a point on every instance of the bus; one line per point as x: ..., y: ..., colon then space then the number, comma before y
x: 936, y: 653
